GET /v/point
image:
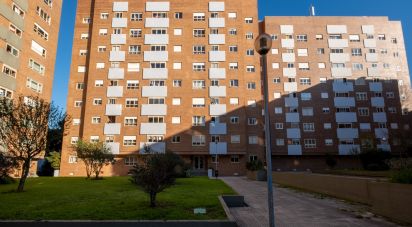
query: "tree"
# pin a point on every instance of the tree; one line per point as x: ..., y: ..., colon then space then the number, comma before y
x: 156, y: 173
x: 7, y: 164
x: 54, y: 159
x: 94, y: 155
x: 24, y: 123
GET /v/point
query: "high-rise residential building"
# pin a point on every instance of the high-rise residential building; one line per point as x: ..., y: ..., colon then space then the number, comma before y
x: 178, y: 75
x: 182, y: 76
x: 28, y: 45
x: 338, y: 85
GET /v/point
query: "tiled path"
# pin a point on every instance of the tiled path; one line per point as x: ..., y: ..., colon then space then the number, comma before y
x: 296, y: 209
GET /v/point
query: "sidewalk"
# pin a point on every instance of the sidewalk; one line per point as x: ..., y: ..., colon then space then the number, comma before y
x: 295, y: 209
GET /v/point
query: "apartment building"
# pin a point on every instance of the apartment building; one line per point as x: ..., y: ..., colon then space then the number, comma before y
x: 166, y: 76
x: 28, y: 45
x: 337, y: 85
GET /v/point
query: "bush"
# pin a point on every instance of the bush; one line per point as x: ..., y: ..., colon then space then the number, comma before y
x: 7, y: 164
x: 374, y: 160
x: 254, y: 165
x: 403, y: 176
x: 331, y: 161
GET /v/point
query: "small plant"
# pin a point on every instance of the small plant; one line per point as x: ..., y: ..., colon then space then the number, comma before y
x: 54, y: 160
x: 375, y: 160
x: 254, y: 165
x: 402, y: 170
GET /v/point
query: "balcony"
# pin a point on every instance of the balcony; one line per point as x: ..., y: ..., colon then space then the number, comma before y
x: 338, y: 43
x: 342, y: 86
x: 118, y: 39
x: 114, y: 147
x: 153, y: 129
x: 154, y: 39
x: 337, y: 29
x: 216, y: 22
x: 371, y: 57
x: 217, y: 56
x: 344, y: 102
x: 157, y: 22
x: 157, y: 6
x: 216, y: 6
x: 116, y: 74
x: 369, y: 43
x: 218, y: 148
x: 376, y: 86
x: 290, y: 87
x: 154, y: 110
x: 373, y: 72
x: 217, y: 109
x: 113, y: 110
x: 119, y: 22
x: 293, y: 133
x: 10, y: 15
x: 156, y: 56
x: 217, y: 73
x: 217, y: 39
x: 292, y: 117
x: 341, y: 72
x: 346, y: 117
x: 155, y: 73
x: 289, y: 72
x: 217, y: 91
x: 348, y: 149
x: 288, y: 43
x: 10, y: 37
x: 384, y: 147
x: 288, y: 57
x: 381, y: 133
x: 117, y: 55
x: 217, y: 129
x: 115, y: 91
x: 380, y: 117
x: 378, y: 102
x: 152, y: 147
x: 112, y: 128
x: 7, y: 81
x: 339, y: 58
x: 154, y: 91
x: 120, y: 6
x: 348, y: 133
x: 294, y: 150
x: 291, y: 102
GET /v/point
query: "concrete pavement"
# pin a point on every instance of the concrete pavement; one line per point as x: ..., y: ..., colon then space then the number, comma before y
x: 295, y: 209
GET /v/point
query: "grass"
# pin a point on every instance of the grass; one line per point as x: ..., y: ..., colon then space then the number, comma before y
x: 110, y: 199
x: 358, y: 173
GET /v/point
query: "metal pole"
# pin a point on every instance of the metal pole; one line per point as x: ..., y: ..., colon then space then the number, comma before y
x: 268, y: 143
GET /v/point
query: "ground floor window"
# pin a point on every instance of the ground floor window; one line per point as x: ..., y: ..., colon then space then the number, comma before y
x: 72, y: 159
x: 234, y: 159
x: 253, y: 158
x: 130, y: 161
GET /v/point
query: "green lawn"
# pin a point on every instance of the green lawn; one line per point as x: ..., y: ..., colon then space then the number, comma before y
x: 110, y: 199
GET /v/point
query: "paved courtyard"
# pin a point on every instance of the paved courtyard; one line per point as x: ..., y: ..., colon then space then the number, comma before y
x: 295, y: 209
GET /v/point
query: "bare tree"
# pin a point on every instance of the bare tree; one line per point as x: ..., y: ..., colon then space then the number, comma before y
x: 24, y: 123
x: 94, y: 156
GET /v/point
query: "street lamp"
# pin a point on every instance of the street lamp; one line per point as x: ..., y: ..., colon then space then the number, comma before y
x: 263, y: 44
x: 213, y: 124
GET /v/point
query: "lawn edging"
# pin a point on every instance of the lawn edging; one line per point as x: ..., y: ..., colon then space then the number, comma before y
x: 387, y: 199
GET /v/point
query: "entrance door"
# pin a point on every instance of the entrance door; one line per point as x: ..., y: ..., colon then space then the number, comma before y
x: 198, y: 163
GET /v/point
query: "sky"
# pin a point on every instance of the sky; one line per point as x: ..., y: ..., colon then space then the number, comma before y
x: 394, y: 9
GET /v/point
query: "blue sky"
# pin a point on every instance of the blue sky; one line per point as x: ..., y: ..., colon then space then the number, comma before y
x: 395, y: 9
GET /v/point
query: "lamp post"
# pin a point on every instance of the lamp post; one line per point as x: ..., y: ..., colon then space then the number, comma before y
x: 263, y: 44
x: 213, y: 124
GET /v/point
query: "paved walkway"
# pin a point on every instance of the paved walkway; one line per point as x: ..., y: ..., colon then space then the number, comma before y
x: 296, y: 209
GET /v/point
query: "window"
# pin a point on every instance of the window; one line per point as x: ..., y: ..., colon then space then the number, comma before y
x: 15, y: 30
x: 132, y: 103
x: 38, y: 49
x: 129, y: 141
x: 177, y: 31
x: 280, y: 142
x: 78, y: 103
x: 133, y: 67
x: 361, y: 96
x: 34, y: 85
x: 232, y: 15
x: 307, y: 111
x: 199, y: 17
x: 325, y: 110
x: 12, y: 50
x: 198, y: 102
x: 320, y: 51
x: 302, y: 52
x: 234, y: 159
x: 249, y: 35
x: 356, y: 52
x: 136, y: 17
x: 40, y: 31
x: 79, y: 86
x: 329, y: 142
x: 302, y: 38
x: 319, y: 37
x: 9, y: 71
x: 354, y: 38
x: 199, y: 49
x: 178, y: 15
x: 104, y: 16
x: 252, y: 121
x: 101, y: 48
x: 98, y: 83
x: 249, y: 20
x: 232, y: 31
x: 310, y: 143
x: 74, y: 140
x: 135, y: 33
x: 18, y: 10
x: 132, y: 84
x: 278, y: 110
x: 199, y: 33
x: 327, y: 126
x: 199, y: 67
x: 250, y: 69
x: 253, y: 140
x: 234, y: 120
x: 177, y: 49
x: 43, y: 15
x: 234, y: 101
x: 233, y: 49
x: 279, y: 126
x: 97, y: 102
x: 177, y: 65
x: 251, y: 103
x: 305, y: 81
x: 306, y: 96
x: 135, y: 49
x: 235, y: 139
x: 198, y: 140
x: 357, y: 67
x: 177, y: 83
x: 84, y: 36
x: 176, y: 101
x: 73, y: 158
x: 363, y: 111
x: 251, y: 85
x: 176, y: 139
x: 198, y: 84
x: 304, y: 66
x: 198, y: 120
x: 96, y: 120
x: 176, y: 120
x: 99, y: 65
x: 308, y: 127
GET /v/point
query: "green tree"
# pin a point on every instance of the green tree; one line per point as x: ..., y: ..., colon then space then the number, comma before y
x: 94, y: 156
x: 54, y: 159
x: 24, y: 123
x: 156, y: 173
